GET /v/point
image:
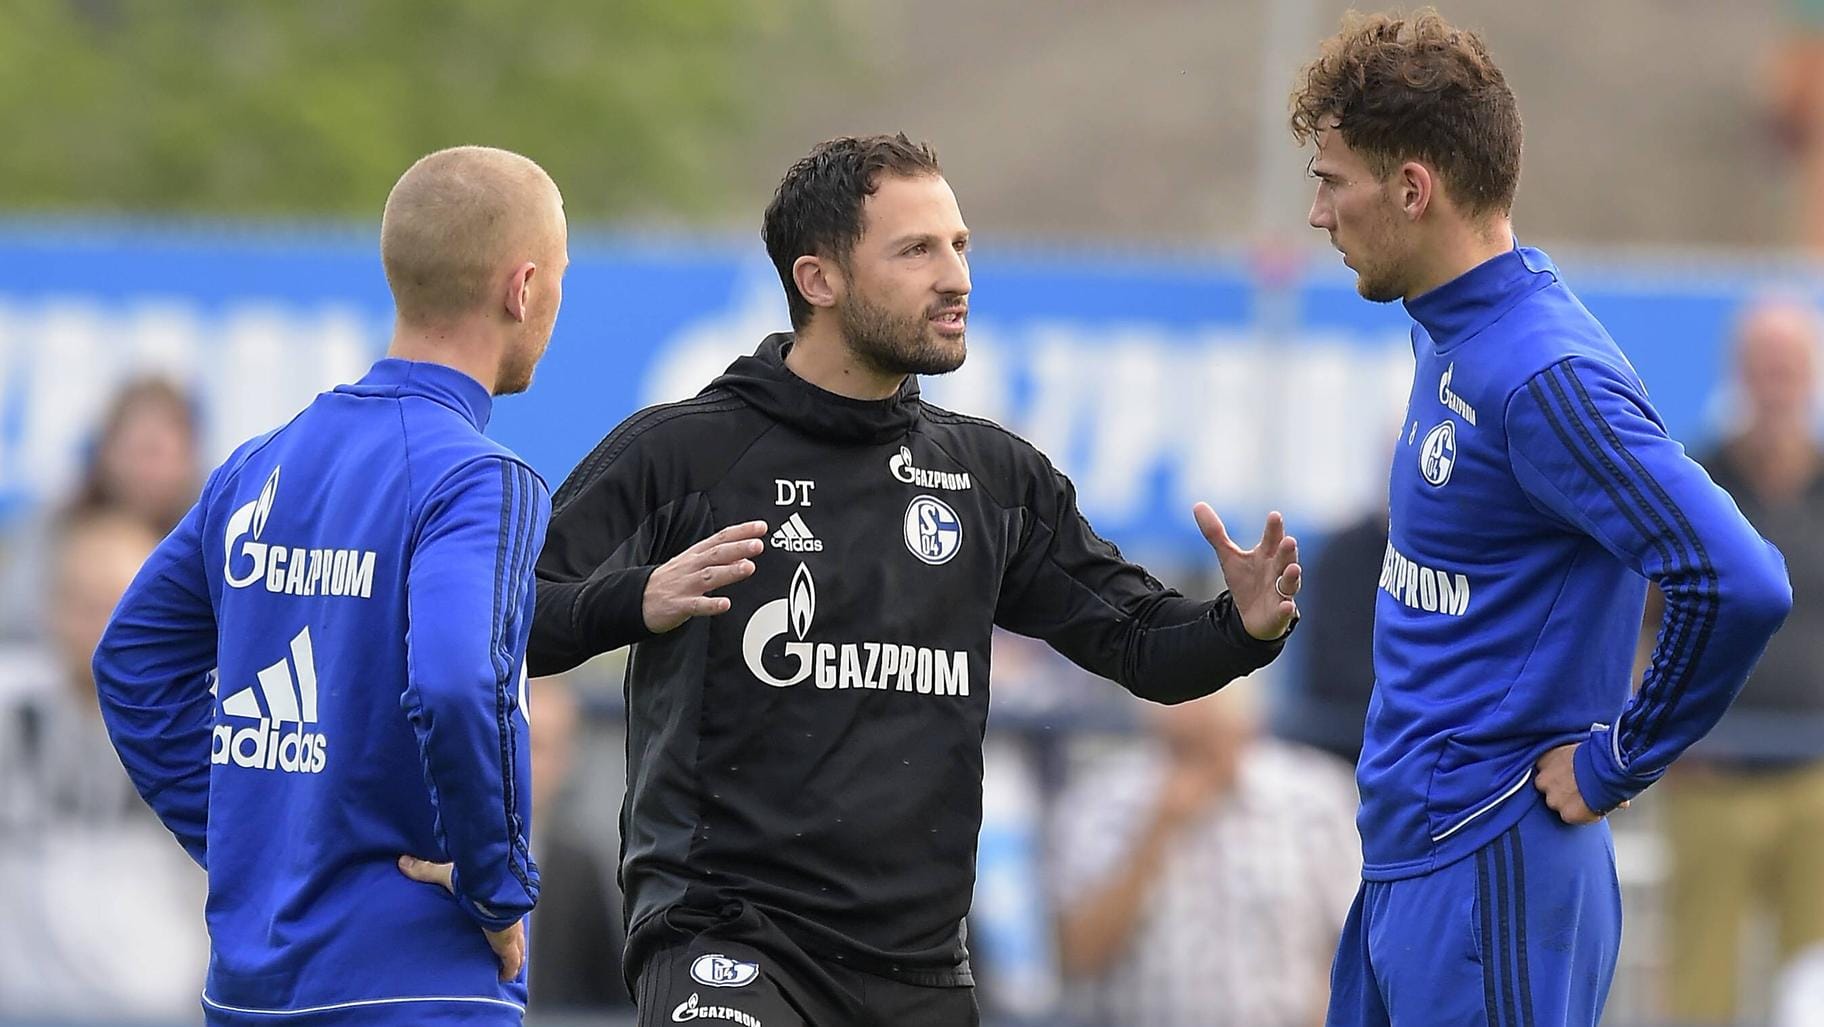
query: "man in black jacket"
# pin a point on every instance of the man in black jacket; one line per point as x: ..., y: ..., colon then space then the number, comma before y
x: 804, y: 774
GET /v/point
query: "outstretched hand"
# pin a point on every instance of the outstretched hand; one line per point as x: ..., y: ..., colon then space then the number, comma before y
x: 679, y: 589
x: 1264, y: 580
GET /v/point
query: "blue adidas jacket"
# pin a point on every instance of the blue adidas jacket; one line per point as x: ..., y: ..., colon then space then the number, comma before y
x: 1534, y: 492
x: 319, y: 670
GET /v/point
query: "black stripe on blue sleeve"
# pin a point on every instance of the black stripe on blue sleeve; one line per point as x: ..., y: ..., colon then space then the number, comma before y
x: 1555, y: 408
x: 1649, y: 726
x: 517, y: 582
x: 1681, y: 647
x: 513, y: 518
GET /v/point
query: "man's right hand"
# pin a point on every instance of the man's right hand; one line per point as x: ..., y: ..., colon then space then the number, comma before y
x: 679, y: 589
x: 509, y: 945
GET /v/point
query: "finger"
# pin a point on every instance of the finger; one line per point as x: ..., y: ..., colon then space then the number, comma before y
x: 513, y: 956
x: 729, y: 552
x: 1274, y: 531
x: 1287, y: 553
x: 711, y: 578
x: 732, y: 533
x: 426, y: 872
x: 1290, y: 581
x: 706, y: 606
x: 1213, y: 531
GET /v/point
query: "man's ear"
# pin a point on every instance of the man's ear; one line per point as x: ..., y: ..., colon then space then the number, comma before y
x: 817, y: 279
x: 518, y: 300
x: 1416, y: 188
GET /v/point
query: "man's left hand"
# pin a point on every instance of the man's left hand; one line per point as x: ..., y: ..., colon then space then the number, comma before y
x: 508, y: 943
x: 1555, y: 776
x: 1264, y: 580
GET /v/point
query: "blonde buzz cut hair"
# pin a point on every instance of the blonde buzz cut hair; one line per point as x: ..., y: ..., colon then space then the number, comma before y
x: 454, y: 221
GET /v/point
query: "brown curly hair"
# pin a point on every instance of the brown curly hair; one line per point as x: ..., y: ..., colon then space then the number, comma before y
x: 1415, y: 88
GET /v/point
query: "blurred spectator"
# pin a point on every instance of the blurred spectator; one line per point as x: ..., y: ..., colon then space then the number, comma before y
x: 144, y: 462
x: 1798, y: 109
x: 1202, y: 878
x: 104, y: 914
x: 1328, y: 704
x: 575, y: 948
x: 1745, y: 808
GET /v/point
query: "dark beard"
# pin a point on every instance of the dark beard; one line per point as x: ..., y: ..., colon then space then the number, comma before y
x: 896, y: 345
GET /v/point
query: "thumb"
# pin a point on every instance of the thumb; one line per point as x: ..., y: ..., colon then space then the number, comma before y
x: 425, y: 872
x: 1211, y: 527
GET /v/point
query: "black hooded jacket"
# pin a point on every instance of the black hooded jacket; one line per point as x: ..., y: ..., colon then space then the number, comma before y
x: 814, y: 755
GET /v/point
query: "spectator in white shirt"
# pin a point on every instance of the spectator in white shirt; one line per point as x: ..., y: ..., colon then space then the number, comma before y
x: 1202, y: 877
x: 103, y: 912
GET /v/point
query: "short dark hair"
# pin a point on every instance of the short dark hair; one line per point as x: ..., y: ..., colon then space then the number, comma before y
x: 1415, y: 88
x: 816, y: 210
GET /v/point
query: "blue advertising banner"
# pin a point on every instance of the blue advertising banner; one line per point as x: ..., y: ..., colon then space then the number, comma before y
x: 1154, y: 381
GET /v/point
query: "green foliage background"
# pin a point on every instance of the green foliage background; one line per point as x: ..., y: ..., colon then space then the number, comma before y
x: 307, y: 107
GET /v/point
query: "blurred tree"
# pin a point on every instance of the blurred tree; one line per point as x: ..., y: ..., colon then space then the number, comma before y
x: 315, y: 106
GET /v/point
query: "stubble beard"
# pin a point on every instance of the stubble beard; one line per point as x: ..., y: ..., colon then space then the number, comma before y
x: 897, y: 345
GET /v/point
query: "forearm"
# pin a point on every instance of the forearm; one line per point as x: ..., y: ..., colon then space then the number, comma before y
x: 1180, y: 650
x: 476, y: 753
x: 151, y: 670
x: 1714, y: 627
x: 166, y: 755
x: 574, y: 621
x: 469, y: 603
x: 1590, y: 452
x: 1093, y: 933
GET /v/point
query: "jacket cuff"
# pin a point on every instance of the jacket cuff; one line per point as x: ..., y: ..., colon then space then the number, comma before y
x: 1601, y: 778
x: 1256, y: 651
x: 610, y: 610
x: 489, y: 919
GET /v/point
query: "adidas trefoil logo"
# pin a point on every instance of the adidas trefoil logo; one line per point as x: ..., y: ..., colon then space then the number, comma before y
x: 794, y: 536
x: 290, y: 699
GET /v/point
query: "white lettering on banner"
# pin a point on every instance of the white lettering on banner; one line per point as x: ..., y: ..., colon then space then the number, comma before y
x: 252, y: 365
x: 1210, y: 412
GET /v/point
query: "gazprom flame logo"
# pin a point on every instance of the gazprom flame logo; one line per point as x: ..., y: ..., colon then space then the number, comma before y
x: 250, y: 519
x: 794, y: 614
x: 803, y: 598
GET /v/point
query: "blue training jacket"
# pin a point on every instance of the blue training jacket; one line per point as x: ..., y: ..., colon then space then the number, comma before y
x: 321, y: 669
x: 1534, y: 492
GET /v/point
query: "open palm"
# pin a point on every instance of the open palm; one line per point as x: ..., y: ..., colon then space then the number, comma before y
x: 1263, y: 580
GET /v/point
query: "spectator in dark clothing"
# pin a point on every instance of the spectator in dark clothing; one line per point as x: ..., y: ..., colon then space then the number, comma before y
x: 1328, y: 702
x: 1745, y: 809
x: 575, y: 951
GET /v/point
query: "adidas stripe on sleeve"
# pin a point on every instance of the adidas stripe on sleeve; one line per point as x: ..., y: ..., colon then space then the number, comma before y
x: 469, y: 599
x: 1589, y: 450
